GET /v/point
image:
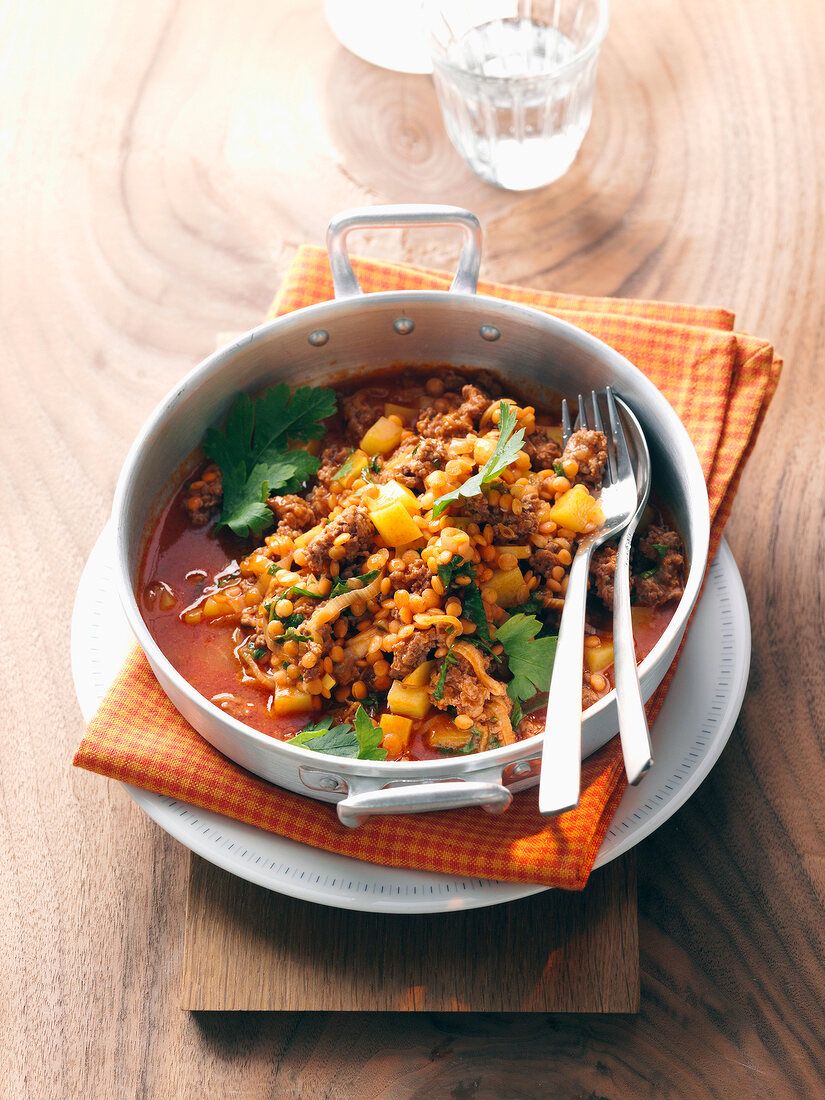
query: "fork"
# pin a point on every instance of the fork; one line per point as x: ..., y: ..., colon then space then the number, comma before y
x: 560, y: 780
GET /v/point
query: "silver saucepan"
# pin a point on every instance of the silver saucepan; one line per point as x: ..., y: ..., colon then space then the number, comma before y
x: 341, y: 339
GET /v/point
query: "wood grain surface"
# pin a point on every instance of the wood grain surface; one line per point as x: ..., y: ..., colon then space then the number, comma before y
x: 248, y: 948
x: 161, y: 160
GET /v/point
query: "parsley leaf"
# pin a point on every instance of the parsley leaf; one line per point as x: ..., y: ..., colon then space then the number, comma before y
x: 296, y: 590
x: 455, y: 567
x: 346, y: 468
x: 530, y: 658
x: 343, y: 585
x: 507, y: 447
x: 558, y: 468
x: 474, y: 610
x: 369, y: 737
x: 361, y: 742
x: 449, y: 659
x: 252, y: 453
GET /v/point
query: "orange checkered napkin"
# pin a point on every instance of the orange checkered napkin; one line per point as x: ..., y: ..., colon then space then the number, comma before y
x: 719, y: 381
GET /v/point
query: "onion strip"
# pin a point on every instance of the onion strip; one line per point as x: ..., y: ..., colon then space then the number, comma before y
x: 330, y: 611
x: 476, y: 661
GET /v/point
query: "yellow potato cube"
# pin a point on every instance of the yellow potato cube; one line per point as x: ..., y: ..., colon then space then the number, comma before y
x: 419, y: 676
x: 290, y: 701
x: 577, y: 510
x: 391, y: 492
x: 395, y: 524
x: 599, y: 657
x: 517, y: 551
x: 382, y: 437
x: 397, y: 725
x: 507, y: 583
x: 404, y: 411
x: 449, y: 738
x: 412, y: 702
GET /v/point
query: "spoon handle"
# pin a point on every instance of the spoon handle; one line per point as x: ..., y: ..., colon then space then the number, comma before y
x: 633, y: 729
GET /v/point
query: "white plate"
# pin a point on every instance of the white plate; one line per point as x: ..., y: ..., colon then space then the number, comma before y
x: 688, y: 736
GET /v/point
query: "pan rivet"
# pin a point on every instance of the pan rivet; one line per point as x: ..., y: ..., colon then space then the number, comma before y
x: 403, y: 326
x: 318, y: 338
x: 328, y: 783
x: 489, y: 332
x: 522, y: 768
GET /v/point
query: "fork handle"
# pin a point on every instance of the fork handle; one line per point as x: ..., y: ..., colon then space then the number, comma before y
x: 633, y: 729
x: 560, y: 780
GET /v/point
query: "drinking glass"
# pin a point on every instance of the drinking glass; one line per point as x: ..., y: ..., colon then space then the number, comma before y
x: 515, y: 83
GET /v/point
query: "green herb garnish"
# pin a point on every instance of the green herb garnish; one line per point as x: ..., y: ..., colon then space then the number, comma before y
x: 253, y: 455
x: 346, y: 467
x: 474, y: 610
x: 507, y: 447
x: 343, y: 585
x: 449, y: 659
x: 661, y: 550
x: 530, y: 658
x: 558, y: 468
x: 361, y: 741
x: 296, y: 590
x: 455, y: 567
x: 293, y: 636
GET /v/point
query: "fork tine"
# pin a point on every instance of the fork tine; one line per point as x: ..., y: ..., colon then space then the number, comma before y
x: 624, y: 467
x: 583, y: 413
x: 566, y: 426
x: 599, y: 426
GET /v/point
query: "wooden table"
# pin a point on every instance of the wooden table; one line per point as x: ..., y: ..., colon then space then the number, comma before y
x: 161, y: 162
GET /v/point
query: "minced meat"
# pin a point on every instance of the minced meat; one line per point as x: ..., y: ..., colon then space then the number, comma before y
x: 603, y: 573
x: 661, y: 581
x: 353, y: 521
x: 410, y: 652
x: 450, y: 415
x: 293, y: 514
x: 425, y: 456
x: 461, y: 689
x: 588, y: 448
x: 508, y: 526
x: 412, y: 576
x: 541, y: 449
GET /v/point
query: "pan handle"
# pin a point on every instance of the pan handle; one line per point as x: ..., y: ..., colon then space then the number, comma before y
x: 389, y: 217
x: 414, y: 798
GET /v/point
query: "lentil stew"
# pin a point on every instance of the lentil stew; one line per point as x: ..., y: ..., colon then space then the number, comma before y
x: 443, y: 513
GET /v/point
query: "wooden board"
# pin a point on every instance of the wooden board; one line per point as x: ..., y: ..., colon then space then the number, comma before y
x: 248, y: 948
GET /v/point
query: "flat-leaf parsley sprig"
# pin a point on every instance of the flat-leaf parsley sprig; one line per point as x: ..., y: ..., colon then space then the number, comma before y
x: 361, y: 741
x: 507, y: 447
x: 253, y: 455
x: 530, y: 659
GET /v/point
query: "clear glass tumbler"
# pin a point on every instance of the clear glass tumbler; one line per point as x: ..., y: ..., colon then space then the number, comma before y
x: 515, y: 82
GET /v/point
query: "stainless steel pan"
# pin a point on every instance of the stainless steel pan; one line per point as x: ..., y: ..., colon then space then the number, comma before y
x: 343, y: 338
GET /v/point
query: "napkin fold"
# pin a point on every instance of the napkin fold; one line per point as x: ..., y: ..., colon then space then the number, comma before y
x: 719, y: 381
